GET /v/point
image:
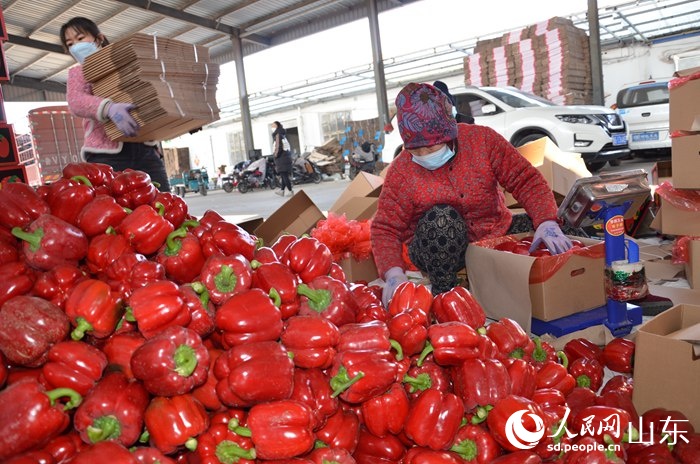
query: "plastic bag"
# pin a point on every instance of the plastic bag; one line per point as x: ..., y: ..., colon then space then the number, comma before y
x: 684, y: 199
x: 680, y: 254
x: 344, y: 237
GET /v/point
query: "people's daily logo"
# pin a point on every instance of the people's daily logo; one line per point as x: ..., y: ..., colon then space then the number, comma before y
x: 518, y: 435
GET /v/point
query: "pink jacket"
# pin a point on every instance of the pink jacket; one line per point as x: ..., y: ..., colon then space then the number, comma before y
x: 469, y: 182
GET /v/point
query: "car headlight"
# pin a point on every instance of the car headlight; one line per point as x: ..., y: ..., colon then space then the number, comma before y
x: 575, y: 118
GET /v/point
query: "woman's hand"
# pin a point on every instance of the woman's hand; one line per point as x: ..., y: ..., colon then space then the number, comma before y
x: 120, y: 116
x: 392, y: 279
x: 554, y: 239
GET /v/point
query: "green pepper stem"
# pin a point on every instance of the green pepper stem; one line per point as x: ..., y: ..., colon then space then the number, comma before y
x: 191, y: 444
x: 481, y: 413
x: 539, y: 354
x: 129, y: 314
x: 320, y: 444
x: 32, y: 238
x: 342, y: 381
x: 466, y: 449
x: 254, y: 264
x: 173, y: 246
x: 226, y: 279
x: 399, y: 349
x: 144, y: 437
x: 235, y: 427
x: 104, y: 428
x: 185, y: 360
x: 229, y: 452
x: 583, y: 381
x: 82, y: 180
x: 56, y: 393
x: 190, y: 224
x: 563, y: 358
x: 259, y: 243
x: 81, y: 326
x: 275, y: 296
x: 160, y: 207
x: 420, y: 382
x: 424, y: 354
x: 319, y: 299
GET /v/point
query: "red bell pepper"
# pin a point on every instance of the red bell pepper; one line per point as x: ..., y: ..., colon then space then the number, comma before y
x: 421, y: 455
x: 427, y: 375
x: 362, y: 336
x: 221, y: 444
x: 518, y: 457
x: 224, y: 276
x: 133, y: 188
x: 619, y: 400
x: 113, y: 410
x: 175, y: 422
x: 248, y: 316
x: 49, y: 241
x: 104, y: 451
x: 434, y: 419
x: 173, y: 362
x: 30, y: 416
x: 281, y: 429
x: 511, y: 340
x: 73, y: 365
x: 341, y: 430
x: 451, y: 343
x: 357, y: 376
x: 555, y: 375
x: 232, y: 239
x: 658, y: 453
x: 131, y: 271
x: 582, y: 348
x: 312, y: 388
x: 579, y: 398
x: 337, y: 272
x: 20, y: 204
x: 280, y: 282
x: 325, y: 455
x: 119, y: 348
x: 372, y: 449
x: 196, y: 299
x: 100, y: 175
x: 16, y: 278
x: 9, y: 251
x: 523, y: 377
x: 688, y: 453
x: 145, y: 229
x: 621, y: 383
x: 206, y: 393
x: 587, y: 372
x: 158, y: 305
x: 29, y: 327
x: 386, y: 413
x: 663, y: 421
x: 104, y: 249
x: 458, y: 304
x: 329, y: 298
x: 475, y: 444
x: 542, y: 353
x: 503, y: 409
x: 253, y: 373
x: 4, y: 370
x: 618, y: 355
x: 410, y: 295
x: 65, y: 446
x: 54, y: 285
x: 68, y: 197
x: 99, y: 215
x: 553, y: 402
x: 312, y: 340
x: 369, y: 305
x: 174, y: 208
x: 181, y: 255
x: 480, y: 382
x: 602, y: 421
x: 150, y: 455
x: 265, y: 255
x: 410, y: 330
x: 282, y: 243
x: 588, y: 452
x: 308, y: 258
x: 93, y: 307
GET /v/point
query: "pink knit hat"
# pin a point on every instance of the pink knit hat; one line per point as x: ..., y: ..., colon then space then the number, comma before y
x: 424, y: 115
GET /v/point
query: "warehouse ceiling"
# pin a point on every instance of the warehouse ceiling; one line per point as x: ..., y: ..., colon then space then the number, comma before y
x: 38, y: 65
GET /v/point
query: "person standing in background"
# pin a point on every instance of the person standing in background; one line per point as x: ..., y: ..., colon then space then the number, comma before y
x: 81, y: 37
x: 283, y: 157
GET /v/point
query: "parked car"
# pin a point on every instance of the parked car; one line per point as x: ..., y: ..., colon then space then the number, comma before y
x: 644, y: 108
x: 596, y: 132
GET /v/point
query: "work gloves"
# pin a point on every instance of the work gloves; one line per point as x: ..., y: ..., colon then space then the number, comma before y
x: 552, y: 236
x: 393, y: 277
x: 119, y: 114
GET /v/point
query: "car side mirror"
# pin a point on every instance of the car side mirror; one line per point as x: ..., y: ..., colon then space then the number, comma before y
x: 489, y: 109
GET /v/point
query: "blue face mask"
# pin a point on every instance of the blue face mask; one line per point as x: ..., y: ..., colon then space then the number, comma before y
x: 434, y: 160
x: 82, y: 50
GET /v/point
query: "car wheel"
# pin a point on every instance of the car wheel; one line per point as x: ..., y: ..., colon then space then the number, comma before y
x: 595, y: 166
x: 530, y: 138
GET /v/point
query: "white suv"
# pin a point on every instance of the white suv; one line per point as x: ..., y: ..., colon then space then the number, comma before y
x: 644, y: 107
x: 596, y: 132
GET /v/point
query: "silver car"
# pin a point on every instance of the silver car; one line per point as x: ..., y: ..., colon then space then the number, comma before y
x: 644, y: 107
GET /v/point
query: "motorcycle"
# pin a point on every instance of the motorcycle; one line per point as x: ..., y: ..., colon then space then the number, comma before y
x: 304, y: 171
x: 258, y: 174
x: 231, y: 181
x: 364, y: 159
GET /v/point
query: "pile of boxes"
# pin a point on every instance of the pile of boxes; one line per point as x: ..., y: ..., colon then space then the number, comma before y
x: 550, y: 59
x: 172, y: 83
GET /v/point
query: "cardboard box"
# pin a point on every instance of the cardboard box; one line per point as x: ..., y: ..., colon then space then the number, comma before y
x: 560, y: 168
x: 684, y: 93
x: 685, y: 156
x: 692, y: 267
x: 358, y: 208
x: 296, y: 216
x: 676, y: 221
x: 501, y: 281
x: 666, y: 368
x: 355, y: 270
x: 247, y: 222
x: 362, y: 186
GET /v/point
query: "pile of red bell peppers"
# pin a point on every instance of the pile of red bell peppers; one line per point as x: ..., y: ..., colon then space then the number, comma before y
x: 132, y: 332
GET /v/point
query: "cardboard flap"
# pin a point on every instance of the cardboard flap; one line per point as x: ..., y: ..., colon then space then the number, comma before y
x: 363, y: 185
x: 510, y: 290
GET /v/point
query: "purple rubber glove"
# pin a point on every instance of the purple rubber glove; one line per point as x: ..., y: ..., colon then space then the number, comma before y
x: 552, y: 236
x: 119, y: 114
x: 392, y: 279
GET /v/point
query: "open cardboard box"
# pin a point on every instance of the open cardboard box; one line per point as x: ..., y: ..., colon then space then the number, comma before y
x: 692, y: 267
x: 675, y: 221
x: 560, y: 168
x: 358, y: 200
x: 666, y: 365
x: 500, y: 281
x: 364, y: 270
x: 685, y: 156
x: 684, y: 93
x: 296, y: 216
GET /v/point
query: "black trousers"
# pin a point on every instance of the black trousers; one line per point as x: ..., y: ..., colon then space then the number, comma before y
x: 284, y: 180
x: 136, y: 156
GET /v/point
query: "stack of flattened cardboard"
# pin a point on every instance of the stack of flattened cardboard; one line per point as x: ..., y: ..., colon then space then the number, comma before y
x: 172, y: 84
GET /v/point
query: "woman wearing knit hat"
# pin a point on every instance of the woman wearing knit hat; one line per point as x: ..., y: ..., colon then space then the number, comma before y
x: 442, y: 192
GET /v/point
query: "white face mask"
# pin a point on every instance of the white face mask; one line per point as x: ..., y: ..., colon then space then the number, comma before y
x: 435, y: 160
x: 82, y: 50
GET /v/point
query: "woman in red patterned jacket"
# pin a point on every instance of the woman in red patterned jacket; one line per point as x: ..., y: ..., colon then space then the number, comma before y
x: 442, y: 192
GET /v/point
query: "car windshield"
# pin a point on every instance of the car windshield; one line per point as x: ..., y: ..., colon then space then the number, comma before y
x: 642, y: 95
x: 518, y: 99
